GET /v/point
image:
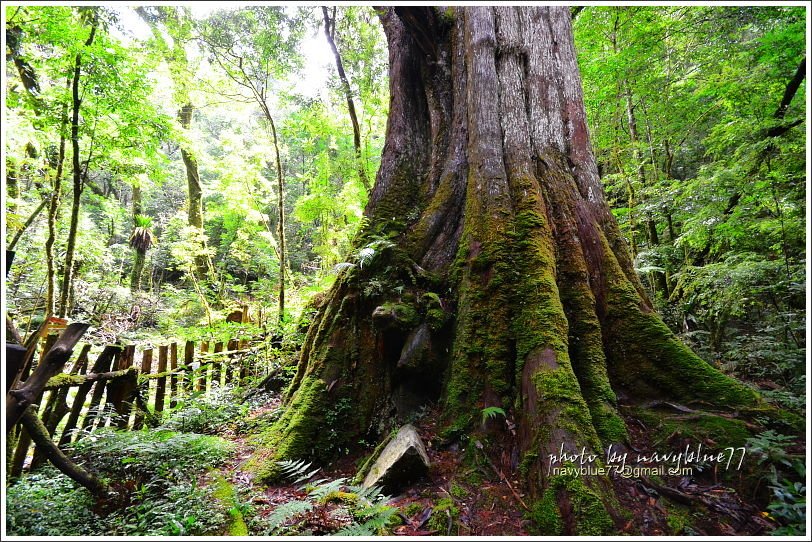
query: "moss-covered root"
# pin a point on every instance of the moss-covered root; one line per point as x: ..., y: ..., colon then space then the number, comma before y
x: 645, y: 356
x: 569, y: 506
x: 567, y: 501
x: 295, y: 435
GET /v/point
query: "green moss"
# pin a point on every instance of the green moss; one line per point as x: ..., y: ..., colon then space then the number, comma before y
x: 225, y: 493
x: 401, y: 315
x: 559, y: 389
x: 528, y: 460
x: 609, y: 425
x: 647, y: 357
x: 412, y: 509
x: 678, y: 518
x: 701, y: 427
x: 587, y: 510
x: 297, y: 434
x: 64, y: 379
x: 369, y: 460
x: 473, y: 477
x: 544, y: 515
x: 340, y: 497
x: 457, y: 491
x: 435, y: 316
x: 439, y: 520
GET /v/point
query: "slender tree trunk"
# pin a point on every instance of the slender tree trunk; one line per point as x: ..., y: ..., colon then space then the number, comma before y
x: 140, y: 256
x: 32, y: 217
x: 280, y: 187
x: 659, y: 282
x: 53, y: 210
x: 506, y: 280
x: 78, y: 174
x: 329, y: 31
x: 12, y: 185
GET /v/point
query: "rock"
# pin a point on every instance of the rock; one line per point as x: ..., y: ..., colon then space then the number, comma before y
x: 403, y: 461
x: 417, y: 349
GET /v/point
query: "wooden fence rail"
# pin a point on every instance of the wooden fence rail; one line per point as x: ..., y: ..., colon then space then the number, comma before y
x: 116, y: 391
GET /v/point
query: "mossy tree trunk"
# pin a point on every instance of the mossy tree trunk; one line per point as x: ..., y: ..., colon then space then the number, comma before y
x: 491, y: 271
x: 203, y: 265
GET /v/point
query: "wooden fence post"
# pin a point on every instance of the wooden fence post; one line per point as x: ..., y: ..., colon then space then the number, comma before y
x: 160, y: 389
x: 188, y: 359
x: 173, y: 379
x: 233, y: 344
x: 217, y: 364
x: 57, y: 405
x: 102, y: 362
x: 121, y: 393
x: 93, y: 412
x: 200, y: 380
x: 146, y: 367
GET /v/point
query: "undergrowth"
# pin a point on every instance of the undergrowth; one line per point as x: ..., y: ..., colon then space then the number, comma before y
x: 154, y: 473
x: 331, y: 507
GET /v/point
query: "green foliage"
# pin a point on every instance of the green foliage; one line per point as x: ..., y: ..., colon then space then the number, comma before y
x: 770, y: 447
x: 786, y: 477
x: 330, y: 507
x: 297, y: 471
x: 206, y: 414
x: 491, y: 413
x: 789, y: 504
x: 46, y: 503
x: 157, y: 472
x: 148, y: 455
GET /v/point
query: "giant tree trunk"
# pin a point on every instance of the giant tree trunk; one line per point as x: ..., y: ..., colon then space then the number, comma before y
x: 491, y: 271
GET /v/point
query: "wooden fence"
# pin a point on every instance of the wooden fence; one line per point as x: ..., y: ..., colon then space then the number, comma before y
x: 126, y: 387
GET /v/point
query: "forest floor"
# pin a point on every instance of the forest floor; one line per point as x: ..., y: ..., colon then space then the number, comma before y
x: 480, y: 500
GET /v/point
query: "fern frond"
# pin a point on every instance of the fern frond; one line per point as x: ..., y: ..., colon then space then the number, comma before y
x: 320, y: 491
x: 287, y: 511
x: 377, y: 518
x: 355, y: 530
x: 296, y: 470
x: 341, y: 266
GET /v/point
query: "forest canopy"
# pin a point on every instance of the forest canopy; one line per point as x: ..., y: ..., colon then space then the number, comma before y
x: 447, y: 217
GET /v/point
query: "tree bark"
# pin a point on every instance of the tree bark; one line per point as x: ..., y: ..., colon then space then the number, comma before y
x: 329, y: 32
x: 491, y: 271
x: 53, y: 210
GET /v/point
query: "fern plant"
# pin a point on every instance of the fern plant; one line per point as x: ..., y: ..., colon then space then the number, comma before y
x: 331, y: 506
x: 491, y: 413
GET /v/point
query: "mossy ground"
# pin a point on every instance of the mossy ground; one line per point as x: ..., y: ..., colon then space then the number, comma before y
x: 227, y: 494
